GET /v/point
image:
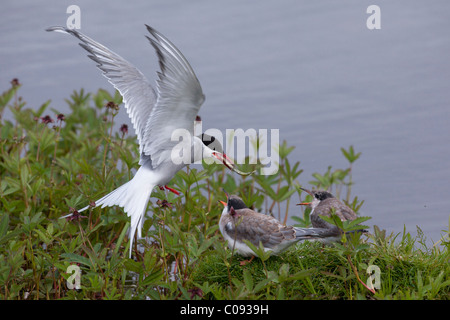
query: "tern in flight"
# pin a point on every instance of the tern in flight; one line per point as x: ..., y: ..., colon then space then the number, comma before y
x: 155, y: 114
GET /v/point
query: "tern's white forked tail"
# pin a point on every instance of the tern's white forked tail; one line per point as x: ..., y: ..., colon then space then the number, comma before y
x: 133, y: 197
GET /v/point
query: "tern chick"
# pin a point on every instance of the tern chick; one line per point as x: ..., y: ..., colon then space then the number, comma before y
x: 239, y: 223
x: 323, y: 204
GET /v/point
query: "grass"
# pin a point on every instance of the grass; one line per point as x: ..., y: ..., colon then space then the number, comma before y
x: 51, y: 163
x: 314, y: 271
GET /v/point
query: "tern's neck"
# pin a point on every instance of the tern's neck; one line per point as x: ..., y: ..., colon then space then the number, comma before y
x: 224, y: 211
x: 200, y: 151
x: 196, y: 150
x: 314, y: 203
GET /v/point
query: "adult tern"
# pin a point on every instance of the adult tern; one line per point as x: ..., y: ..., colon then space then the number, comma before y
x: 155, y: 115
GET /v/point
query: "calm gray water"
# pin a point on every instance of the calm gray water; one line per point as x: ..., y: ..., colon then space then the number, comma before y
x: 309, y: 68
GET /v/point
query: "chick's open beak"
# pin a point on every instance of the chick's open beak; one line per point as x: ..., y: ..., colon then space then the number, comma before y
x: 306, y: 203
x: 223, y: 202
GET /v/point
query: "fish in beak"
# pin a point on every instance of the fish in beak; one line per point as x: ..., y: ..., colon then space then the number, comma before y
x: 222, y: 157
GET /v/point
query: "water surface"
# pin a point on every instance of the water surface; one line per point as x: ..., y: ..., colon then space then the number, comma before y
x: 311, y: 69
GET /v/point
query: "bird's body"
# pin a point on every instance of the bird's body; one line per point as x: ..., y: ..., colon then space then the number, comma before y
x: 156, y: 115
x: 239, y: 223
x: 324, y: 204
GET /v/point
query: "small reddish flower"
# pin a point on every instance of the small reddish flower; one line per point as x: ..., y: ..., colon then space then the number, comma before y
x: 15, y: 82
x: 195, y: 292
x: 76, y: 216
x: 124, y: 129
x: 47, y: 120
x: 61, y: 117
x: 112, y: 105
x: 197, y: 118
x: 164, y: 203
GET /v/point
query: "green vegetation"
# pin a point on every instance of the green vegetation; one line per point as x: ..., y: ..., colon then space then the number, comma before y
x: 51, y: 163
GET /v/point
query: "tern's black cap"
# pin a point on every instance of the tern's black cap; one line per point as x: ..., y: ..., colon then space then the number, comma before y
x: 236, y: 203
x: 211, y: 142
x: 322, y: 195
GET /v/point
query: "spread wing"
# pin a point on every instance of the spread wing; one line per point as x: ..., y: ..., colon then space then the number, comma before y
x: 154, y: 116
x: 138, y: 95
x: 180, y: 97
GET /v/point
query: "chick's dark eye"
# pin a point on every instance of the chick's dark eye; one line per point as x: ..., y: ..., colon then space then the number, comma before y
x: 320, y: 196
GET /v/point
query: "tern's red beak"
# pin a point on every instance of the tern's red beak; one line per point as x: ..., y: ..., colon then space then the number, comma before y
x: 222, y: 157
x: 223, y: 202
x: 304, y: 203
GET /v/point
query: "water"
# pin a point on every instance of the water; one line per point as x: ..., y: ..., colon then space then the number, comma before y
x: 311, y: 69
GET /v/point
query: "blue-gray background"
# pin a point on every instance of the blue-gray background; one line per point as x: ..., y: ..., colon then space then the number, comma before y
x: 309, y: 68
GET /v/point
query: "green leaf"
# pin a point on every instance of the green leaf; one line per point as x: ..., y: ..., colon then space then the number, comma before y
x: 302, y: 274
x: 76, y: 258
x: 153, y: 278
x: 41, y: 109
x: 4, y: 225
x: 7, y: 96
x: 248, y: 280
x: 121, y: 237
x: 334, y: 219
x: 42, y: 235
x: 350, y: 154
x: 132, y: 265
x: 355, y: 224
x: 259, y: 251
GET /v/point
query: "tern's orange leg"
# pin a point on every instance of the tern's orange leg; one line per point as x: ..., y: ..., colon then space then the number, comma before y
x: 170, y: 189
x: 246, y: 262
